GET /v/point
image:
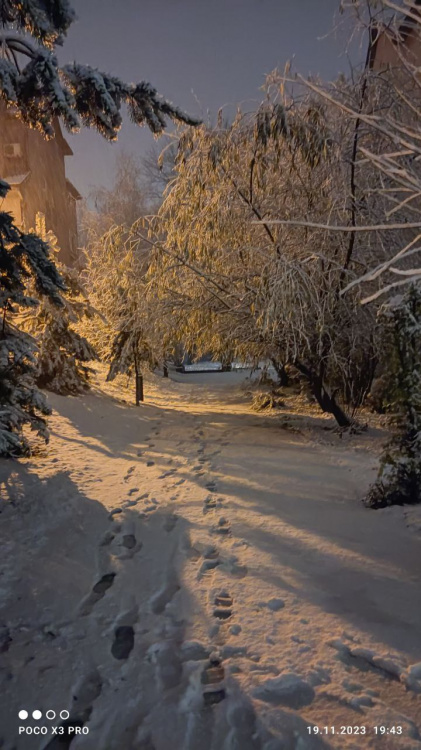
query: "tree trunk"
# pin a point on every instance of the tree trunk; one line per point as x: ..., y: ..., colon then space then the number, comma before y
x: 138, y: 383
x: 326, y: 401
x: 165, y: 371
x: 281, y: 373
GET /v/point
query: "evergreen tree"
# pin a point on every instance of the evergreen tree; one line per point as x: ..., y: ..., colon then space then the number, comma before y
x: 22, y: 257
x: 399, y: 479
x: 38, y: 91
x: 62, y: 350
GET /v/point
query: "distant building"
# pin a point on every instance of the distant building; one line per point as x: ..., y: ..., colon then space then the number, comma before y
x: 388, y: 45
x: 40, y: 192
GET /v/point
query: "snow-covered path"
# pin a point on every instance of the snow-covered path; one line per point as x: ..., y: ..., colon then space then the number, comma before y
x: 189, y: 576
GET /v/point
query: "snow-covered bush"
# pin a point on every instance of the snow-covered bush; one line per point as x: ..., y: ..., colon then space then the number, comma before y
x: 399, y: 479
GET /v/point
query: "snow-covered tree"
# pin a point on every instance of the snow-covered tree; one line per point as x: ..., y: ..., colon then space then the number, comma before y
x: 399, y: 479
x: 236, y: 283
x: 61, y: 350
x: 389, y: 114
x: 38, y: 90
x: 128, y: 333
x: 121, y: 204
x: 23, y: 257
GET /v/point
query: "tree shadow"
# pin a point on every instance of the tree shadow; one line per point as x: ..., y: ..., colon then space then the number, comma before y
x: 65, y: 598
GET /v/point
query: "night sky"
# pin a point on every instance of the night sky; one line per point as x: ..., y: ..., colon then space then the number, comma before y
x: 200, y: 54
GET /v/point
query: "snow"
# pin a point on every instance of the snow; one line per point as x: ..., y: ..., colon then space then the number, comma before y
x: 288, y: 690
x: 188, y: 574
x: 203, y: 367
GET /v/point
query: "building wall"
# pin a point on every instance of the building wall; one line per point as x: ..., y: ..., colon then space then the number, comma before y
x: 45, y: 189
x: 387, y: 54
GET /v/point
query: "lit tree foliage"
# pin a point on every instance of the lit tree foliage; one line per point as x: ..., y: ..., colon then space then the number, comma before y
x: 234, y: 281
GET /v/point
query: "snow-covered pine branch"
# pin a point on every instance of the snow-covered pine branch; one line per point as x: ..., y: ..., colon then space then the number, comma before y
x: 38, y: 89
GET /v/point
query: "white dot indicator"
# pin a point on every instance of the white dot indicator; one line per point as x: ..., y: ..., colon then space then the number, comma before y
x: 36, y: 715
x: 23, y: 714
x: 50, y: 714
x: 64, y: 714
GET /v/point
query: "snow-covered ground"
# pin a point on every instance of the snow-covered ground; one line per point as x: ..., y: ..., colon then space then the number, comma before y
x: 189, y: 575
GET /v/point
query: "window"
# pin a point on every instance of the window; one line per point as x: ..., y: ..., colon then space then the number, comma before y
x: 12, y: 150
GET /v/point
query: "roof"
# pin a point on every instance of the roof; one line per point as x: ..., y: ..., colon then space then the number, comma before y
x: 73, y: 191
x: 67, y: 151
x: 16, y: 179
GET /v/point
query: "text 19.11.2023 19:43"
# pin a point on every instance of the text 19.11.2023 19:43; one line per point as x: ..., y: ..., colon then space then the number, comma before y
x: 355, y: 730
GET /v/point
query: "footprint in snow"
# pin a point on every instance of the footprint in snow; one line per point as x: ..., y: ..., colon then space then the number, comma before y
x: 123, y: 642
x: 129, y: 541
x: 97, y: 593
x: 170, y: 522
x: 223, y: 606
x: 131, y: 503
x: 149, y: 508
x: 211, y: 561
x: 223, y: 527
x: 104, y: 583
x: 211, y: 503
x: 212, y: 679
x: 235, y: 568
x: 168, y: 473
x: 129, y: 473
x: 274, y: 604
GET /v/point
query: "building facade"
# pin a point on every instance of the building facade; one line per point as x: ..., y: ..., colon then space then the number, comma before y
x: 40, y: 192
